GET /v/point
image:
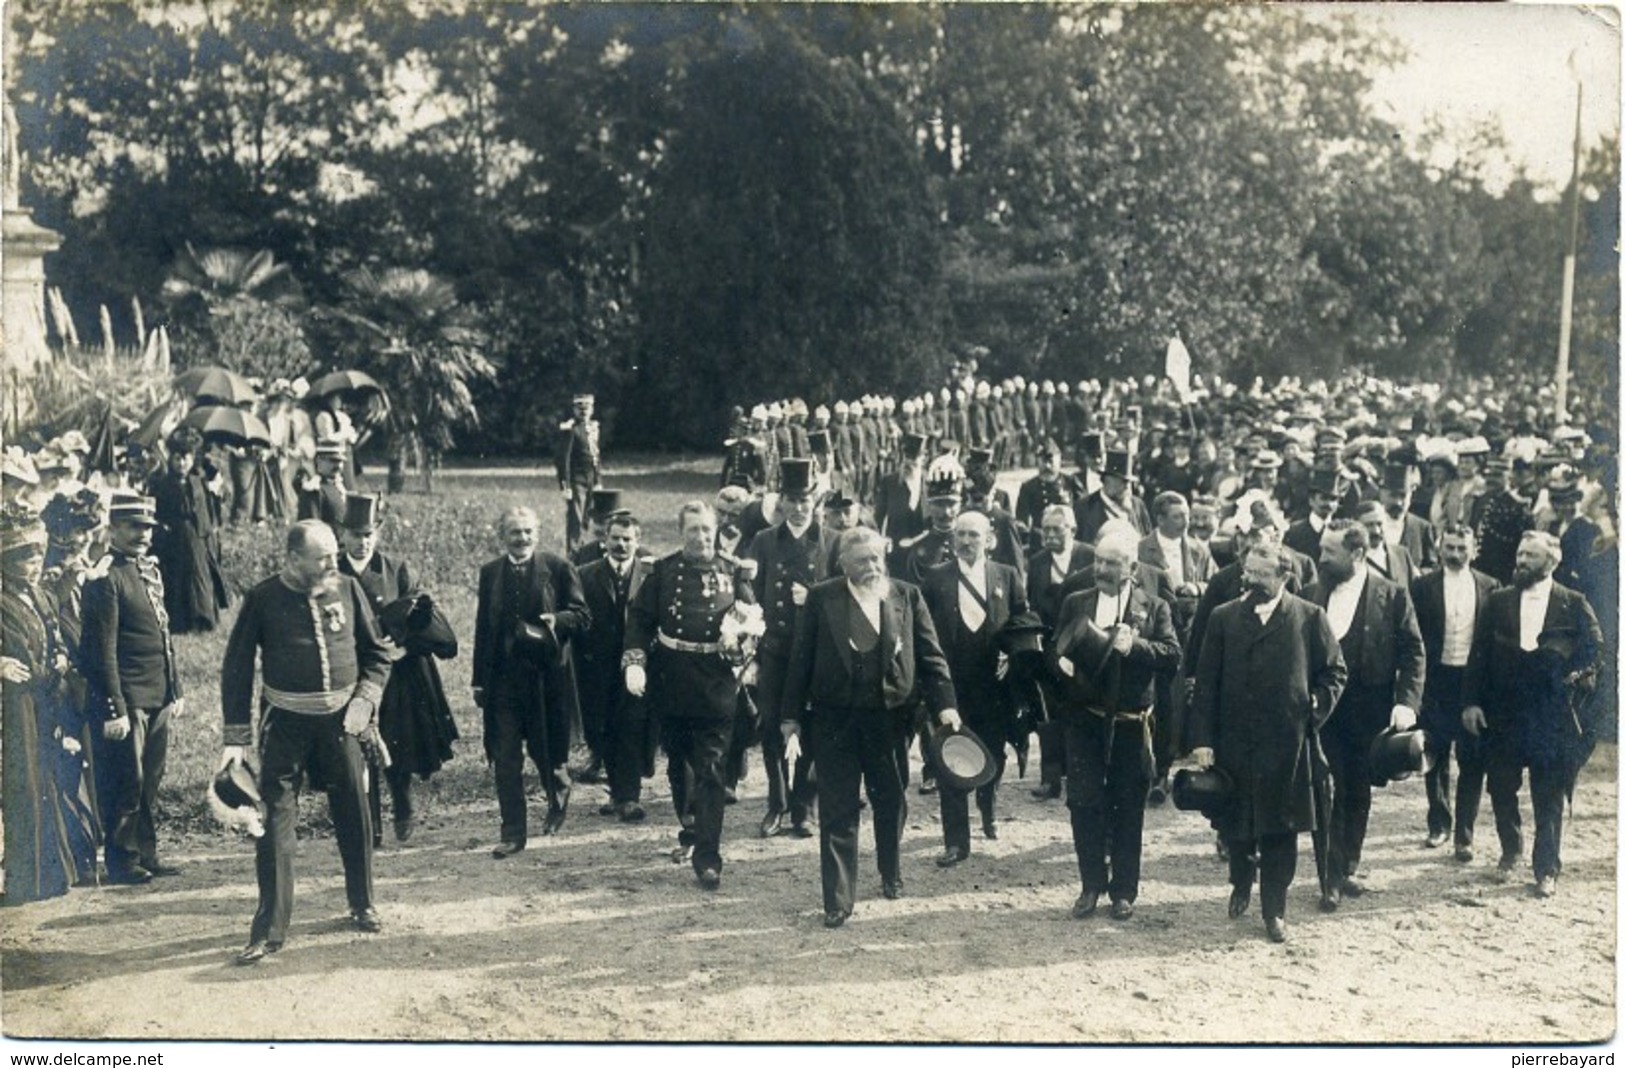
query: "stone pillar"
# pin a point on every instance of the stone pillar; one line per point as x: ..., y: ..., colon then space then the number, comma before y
x: 23, y: 245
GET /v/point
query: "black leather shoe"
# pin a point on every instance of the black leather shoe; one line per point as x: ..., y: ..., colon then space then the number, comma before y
x: 508, y: 849
x: 834, y: 918
x: 1157, y: 796
x: 800, y: 830
x: 1464, y: 853
x: 730, y: 796
x: 1240, y: 898
x: 1275, y: 928
x: 1330, y: 899
x: 161, y: 870
x: 403, y: 829
x: 1086, y: 905
x: 891, y: 889
x: 630, y: 812
x: 256, y: 951
x: 592, y: 773
x: 990, y: 830
x: 607, y: 808
x: 1048, y: 791
x: 134, y: 875
x: 928, y: 786
x: 950, y: 857
x: 367, y: 920
x: 1352, y: 888
x: 1505, y: 867
x: 772, y: 824
x: 1122, y: 909
x: 710, y: 879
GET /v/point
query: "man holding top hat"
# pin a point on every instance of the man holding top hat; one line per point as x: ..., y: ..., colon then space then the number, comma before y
x: 971, y: 599
x: 1375, y: 625
x: 790, y: 559
x: 134, y: 688
x: 414, y: 718
x: 530, y: 606
x: 864, y: 654
x: 322, y: 666
x: 1111, y: 643
x: 576, y: 459
x: 1269, y: 675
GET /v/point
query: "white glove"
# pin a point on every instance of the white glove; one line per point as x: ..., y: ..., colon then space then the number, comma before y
x: 798, y: 594
x: 1066, y: 667
x: 357, y: 714
x: 13, y: 670
x: 1203, y: 756
x: 949, y: 717
x: 1403, y: 718
x: 637, y: 680
x: 116, y: 730
x: 232, y: 754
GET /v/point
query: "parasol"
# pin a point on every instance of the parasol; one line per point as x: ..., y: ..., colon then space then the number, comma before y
x: 215, y: 383
x: 234, y: 426
x: 344, y: 382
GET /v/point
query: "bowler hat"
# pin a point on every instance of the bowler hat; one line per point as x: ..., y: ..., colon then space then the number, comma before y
x: 1397, y: 755
x: 361, y: 513
x: 962, y: 760
x: 796, y: 477
x: 1206, y: 790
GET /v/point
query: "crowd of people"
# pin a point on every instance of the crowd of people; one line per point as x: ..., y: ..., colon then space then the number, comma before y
x: 1299, y: 592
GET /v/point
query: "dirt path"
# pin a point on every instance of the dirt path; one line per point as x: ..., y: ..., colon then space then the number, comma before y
x: 600, y: 927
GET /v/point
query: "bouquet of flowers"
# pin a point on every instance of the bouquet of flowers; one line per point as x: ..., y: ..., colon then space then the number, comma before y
x: 741, y: 627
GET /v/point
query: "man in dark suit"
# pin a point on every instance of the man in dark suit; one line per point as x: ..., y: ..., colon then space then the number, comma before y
x: 1393, y: 562
x: 1403, y: 527
x: 864, y: 653
x: 1189, y: 567
x: 790, y: 558
x: 1043, y: 491
x: 1047, y: 571
x: 322, y: 496
x: 1111, y: 642
x: 1376, y: 630
x: 603, y: 504
x: 530, y: 605
x: 576, y: 459
x: 900, y: 497
x: 627, y: 737
x: 1270, y: 674
x: 1113, y: 500
x: 1449, y: 604
x: 134, y: 689
x: 971, y: 599
x: 1536, y: 646
x: 1325, y: 489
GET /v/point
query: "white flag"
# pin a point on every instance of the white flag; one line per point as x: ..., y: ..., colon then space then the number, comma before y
x: 1177, y: 367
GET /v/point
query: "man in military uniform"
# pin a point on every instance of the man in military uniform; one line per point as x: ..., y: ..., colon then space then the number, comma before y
x: 322, y: 666
x: 675, y: 652
x: 1043, y: 490
x: 322, y: 496
x: 1500, y: 520
x: 577, y: 461
x: 790, y: 557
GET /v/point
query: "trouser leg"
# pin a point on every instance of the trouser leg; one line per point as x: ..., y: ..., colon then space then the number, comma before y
x: 343, y: 769
x: 954, y: 805
x: 1470, y: 775
x: 1086, y: 800
x: 708, y: 752
x: 150, y: 735
x: 838, y: 781
x: 1437, y: 781
x: 1126, y: 786
x: 508, y: 769
x: 1277, y: 864
x: 1546, y: 792
x: 1504, y: 778
x: 886, y: 780
x: 285, y: 743
x: 118, y: 794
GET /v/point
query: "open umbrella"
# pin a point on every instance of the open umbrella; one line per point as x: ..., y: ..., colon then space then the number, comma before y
x: 215, y: 383
x: 344, y: 382
x: 234, y: 426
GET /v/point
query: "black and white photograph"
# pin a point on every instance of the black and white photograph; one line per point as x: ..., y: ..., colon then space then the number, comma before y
x: 916, y: 526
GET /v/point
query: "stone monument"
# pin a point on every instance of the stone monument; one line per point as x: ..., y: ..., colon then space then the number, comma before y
x: 23, y: 245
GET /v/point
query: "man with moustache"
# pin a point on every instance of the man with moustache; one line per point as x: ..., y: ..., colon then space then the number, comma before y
x: 609, y: 585
x: 322, y: 666
x: 1111, y: 642
x: 674, y: 652
x: 1536, y: 643
x: 1500, y: 518
x: 1375, y: 626
x: 1114, y: 499
x: 529, y: 607
x: 1270, y: 674
x: 900, y: 496
x: 1043, y: 491
x: 1303, y: 536
x: 1389, y: 559
x: 1189, y: 566
x: 1061, y: 557
x: 864, y: 653
x: 134, y: 689
x: 1449, y: 603
x: 790, y: 558
x: 971, y: 598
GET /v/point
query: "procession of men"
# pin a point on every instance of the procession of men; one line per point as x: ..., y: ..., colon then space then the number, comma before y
x: 1261, y: 603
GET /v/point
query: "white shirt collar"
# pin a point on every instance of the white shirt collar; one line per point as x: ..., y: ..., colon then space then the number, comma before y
x: 1540, y: 590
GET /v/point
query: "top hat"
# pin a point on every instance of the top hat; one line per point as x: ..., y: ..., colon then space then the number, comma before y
x: 796, y: 477
x: 1022, y: 636
x: 1119, y: 462
x: 1397, y: 755
x: 1396, y: 477
x: 1207, y: 790
x: 1083, y: 643
x: 416, y: 624
x: 1092, y: 443
x: 235, y: 787
x: 361, y: 513
x: 963, y: 761
x: 132, y: 507
x: 836, y: 500
x: 979, y: 459
x: 604, y: 501
x: 818, y: 442
x: 913, y: 445
x: 1324, y: 481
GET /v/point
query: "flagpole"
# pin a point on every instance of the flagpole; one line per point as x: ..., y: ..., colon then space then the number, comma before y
x: 1567, y: 317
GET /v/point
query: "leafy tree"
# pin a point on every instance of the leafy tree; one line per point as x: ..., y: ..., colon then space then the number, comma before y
x: 240, y: 310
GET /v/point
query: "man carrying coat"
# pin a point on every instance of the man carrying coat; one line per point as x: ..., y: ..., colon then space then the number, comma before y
x: 1111, y: 642
x: 1270, y: 675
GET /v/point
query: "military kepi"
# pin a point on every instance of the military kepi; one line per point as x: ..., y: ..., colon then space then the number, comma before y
x: 133, y: 508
